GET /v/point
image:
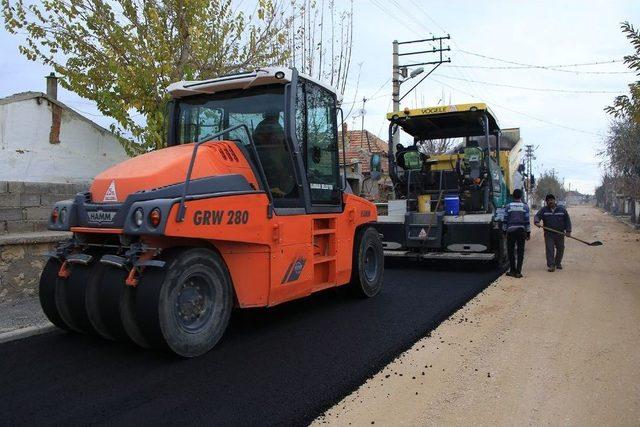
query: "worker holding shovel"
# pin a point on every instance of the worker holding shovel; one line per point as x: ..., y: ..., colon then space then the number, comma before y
x: 557, y: 225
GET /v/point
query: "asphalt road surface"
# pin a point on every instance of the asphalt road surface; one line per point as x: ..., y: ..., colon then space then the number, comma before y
x: 284, y: 365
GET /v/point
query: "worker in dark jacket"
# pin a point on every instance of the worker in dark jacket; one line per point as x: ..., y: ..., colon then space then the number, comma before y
x: 556, y: 218
x: 517, y: 227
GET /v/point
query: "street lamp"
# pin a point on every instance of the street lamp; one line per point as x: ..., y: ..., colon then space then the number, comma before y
x: 415, y: 72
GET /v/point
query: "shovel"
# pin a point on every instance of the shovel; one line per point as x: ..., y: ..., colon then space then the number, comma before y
x: 596, y: 243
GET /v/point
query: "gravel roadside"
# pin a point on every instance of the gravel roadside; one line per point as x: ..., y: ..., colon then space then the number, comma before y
x: 552, y: 348
x: 21, y: 313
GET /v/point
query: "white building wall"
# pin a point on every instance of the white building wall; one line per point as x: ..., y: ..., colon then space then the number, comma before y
x: 26, y: 154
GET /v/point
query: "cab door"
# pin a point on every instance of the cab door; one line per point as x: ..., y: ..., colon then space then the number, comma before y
x: 316, y: 132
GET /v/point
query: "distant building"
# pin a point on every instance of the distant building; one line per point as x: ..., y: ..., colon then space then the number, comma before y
x: 360, y: 146
x: 43, y: 140
x: 574, y: 198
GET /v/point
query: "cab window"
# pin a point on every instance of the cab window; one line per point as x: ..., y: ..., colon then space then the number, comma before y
x: 261, y: 109
x: 316, y: 131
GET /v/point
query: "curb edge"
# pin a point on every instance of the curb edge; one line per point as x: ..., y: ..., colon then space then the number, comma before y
x: 27, y: 332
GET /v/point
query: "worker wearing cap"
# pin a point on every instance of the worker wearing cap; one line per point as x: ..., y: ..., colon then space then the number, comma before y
x: 517, y: 227
x: 555, y: 218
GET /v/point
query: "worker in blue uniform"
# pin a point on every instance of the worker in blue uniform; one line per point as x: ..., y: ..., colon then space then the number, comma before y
x: 517, y: 227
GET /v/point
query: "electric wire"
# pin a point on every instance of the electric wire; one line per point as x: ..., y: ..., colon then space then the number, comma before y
x: 521, y: 65
x: 521, y: 113
x: 531, y: 88
x: 543, y: 68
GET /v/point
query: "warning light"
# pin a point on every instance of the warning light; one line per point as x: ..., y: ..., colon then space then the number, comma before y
x: 155, y: 217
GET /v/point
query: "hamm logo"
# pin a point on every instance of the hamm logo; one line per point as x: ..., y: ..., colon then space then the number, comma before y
x: 101, y: 216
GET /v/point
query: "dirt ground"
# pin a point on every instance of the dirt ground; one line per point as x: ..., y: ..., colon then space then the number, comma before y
x: 558, y: 348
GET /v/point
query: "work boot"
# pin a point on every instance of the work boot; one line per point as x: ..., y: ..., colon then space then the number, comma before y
x: 551, y: 269
x: 511, y: 274
x: 518, y: 276
x: 559, y: 266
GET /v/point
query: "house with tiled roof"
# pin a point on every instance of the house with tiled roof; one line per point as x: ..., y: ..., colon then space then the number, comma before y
x: 48, y: 152
x: 360, y: 146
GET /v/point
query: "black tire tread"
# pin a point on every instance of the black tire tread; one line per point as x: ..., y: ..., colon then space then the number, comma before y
x: 358, y: 278
x: 47, y: 293
x: 93, y: 302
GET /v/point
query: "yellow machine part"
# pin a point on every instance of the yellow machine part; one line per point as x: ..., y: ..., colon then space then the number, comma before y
x: 424, y: 203
x: 508, y: 163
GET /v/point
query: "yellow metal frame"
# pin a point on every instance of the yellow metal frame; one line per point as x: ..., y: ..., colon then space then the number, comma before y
x: 440, y: 109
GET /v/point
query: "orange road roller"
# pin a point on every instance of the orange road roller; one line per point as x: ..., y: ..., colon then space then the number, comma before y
x: 246, y: 207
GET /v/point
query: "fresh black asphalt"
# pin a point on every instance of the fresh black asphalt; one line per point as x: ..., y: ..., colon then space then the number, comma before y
x: 284, y: 365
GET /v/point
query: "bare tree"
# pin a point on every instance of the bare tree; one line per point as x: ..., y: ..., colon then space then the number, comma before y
x: 322, y: 53
x: 437, y: 146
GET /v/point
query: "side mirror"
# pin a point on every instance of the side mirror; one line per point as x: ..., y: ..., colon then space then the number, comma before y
x: 375, y: 165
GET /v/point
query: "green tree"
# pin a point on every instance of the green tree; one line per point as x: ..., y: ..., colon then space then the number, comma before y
x: 549, y: 183
x: 122, y: 54
x: 628, y: 106
x: 621, y: 151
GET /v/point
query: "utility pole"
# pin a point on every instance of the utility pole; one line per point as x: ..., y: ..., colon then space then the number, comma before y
x: 529, y: 158
x: 400, y: 73
x: 395, y: 78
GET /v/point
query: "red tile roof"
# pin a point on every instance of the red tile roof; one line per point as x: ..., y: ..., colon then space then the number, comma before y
x: 360, y: 145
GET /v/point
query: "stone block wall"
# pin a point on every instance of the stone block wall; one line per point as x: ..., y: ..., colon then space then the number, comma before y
x: 22, y: 258
x: 25, y: 206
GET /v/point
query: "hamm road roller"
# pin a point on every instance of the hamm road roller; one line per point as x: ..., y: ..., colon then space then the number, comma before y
x: 245, y: 207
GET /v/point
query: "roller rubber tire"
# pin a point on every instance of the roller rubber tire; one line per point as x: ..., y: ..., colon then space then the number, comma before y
x: 368, y: 263
x: 76, y: 294
x: 116, y: 307
x: 62, y: 301
x: 185, y: 307
x: 47, y: 292
x: 93, y: 302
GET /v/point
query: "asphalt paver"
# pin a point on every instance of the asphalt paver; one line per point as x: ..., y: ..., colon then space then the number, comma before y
x: 282, y: 365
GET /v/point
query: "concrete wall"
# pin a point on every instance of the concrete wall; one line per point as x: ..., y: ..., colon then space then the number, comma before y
x: 26, y: 153
x: 26, y: 206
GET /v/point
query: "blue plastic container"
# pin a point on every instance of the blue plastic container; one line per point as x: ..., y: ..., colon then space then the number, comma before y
x: 452, y: 204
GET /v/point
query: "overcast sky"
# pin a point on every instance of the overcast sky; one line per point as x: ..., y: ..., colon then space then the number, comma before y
x: 567, y: 127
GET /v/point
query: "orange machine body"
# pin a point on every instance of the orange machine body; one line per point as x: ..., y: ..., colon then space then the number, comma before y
x: 271, y: 258
x: 169, y: 166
